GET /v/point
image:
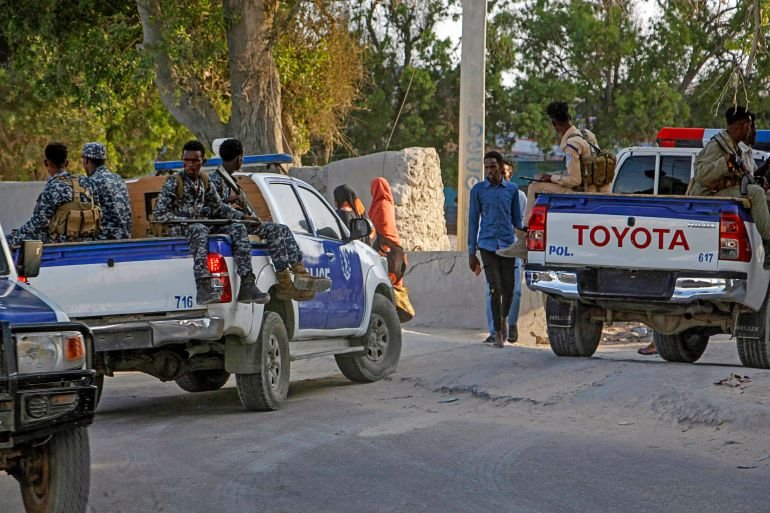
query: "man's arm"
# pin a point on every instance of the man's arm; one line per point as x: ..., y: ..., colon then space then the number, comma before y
x: 218, y: 207
x: 572, y: 178
x: 710, y: 164
x: 473, y: 222
x: 167, y: 197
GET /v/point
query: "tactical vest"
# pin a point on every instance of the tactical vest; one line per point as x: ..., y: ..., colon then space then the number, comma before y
x: 180, y: 184
x: 597, y: 169
x: 76, y: 219
x: 160, y: 229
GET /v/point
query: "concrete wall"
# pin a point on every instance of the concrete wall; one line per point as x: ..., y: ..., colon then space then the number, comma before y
x: 17, y: 201
x: 414, y: 175
x: 446, y: 294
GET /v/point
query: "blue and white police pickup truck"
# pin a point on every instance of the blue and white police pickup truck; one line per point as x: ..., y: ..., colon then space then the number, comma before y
x: 138, y: 297
x: 47, y: 396
x: 688, y: 267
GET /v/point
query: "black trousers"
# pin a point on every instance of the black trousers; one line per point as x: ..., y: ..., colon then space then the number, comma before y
x: 501, y: 278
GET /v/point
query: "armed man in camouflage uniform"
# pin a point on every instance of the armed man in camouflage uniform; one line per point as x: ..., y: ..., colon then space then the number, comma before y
x: 284, y: 250
x: 719, y: 169
x: 198, y: 199
x: 110, y: 192
x: 57, y: 194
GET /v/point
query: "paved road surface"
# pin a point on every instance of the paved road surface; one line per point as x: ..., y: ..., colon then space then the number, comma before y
x: 461, y: 427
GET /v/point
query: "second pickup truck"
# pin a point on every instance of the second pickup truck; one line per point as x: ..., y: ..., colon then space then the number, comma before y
x: 689, y: 267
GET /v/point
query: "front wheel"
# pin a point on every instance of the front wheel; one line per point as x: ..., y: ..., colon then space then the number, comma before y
x: 581, y: 339
x: 55, y: 477
x: 382, y: 346
x: 203, y: 380
x: 267, y: 389
x: 687, y: 346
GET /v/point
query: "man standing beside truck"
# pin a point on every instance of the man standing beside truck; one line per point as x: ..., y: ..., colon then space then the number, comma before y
x: 185, y: 196
x: 494, y: 212
x: 284, y: 250
x: 110, y: 193
x: 65, y: 211
x: 719, y: 170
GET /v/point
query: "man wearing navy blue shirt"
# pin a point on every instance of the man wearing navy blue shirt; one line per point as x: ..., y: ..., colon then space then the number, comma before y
x: 494, y: 212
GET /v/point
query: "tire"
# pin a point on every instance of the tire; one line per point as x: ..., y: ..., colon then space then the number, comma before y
x: 56, y: 476
x: 382, y: 342
x: 687, y: 346
x: 754, y: 352
x: 203, y: 380
x: 266, y: 390
x: 580, y: 340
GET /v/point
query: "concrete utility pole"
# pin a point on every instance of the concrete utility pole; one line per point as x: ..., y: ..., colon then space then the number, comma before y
x: 470, y: 169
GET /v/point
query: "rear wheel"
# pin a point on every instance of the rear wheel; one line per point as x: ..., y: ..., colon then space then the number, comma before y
x: 687, y: 346
x: 203, y: 380
x: 267, y: 389
x: 55, y: 477
x: 382, y: 345
x: 754, y: 352
x: 580, y: 340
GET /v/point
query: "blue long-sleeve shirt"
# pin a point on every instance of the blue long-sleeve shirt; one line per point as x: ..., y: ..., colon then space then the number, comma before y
x: 496, y: 208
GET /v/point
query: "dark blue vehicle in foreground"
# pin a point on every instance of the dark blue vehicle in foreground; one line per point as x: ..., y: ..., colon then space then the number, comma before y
x: 47, y: 396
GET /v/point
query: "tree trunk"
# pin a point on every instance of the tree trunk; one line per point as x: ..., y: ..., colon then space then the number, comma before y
x: 254, y: 82
x: 255, y: 86
x: 189, y: 105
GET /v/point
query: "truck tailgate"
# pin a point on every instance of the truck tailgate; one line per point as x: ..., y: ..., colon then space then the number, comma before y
x: 634, y: 232
x: 93, y: 279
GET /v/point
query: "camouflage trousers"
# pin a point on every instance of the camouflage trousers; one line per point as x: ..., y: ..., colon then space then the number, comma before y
x: 198, y: 237
x: 283, y: 249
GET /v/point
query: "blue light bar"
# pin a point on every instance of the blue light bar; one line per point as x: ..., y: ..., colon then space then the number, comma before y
x: 276, y: 158
x: 763, y: 140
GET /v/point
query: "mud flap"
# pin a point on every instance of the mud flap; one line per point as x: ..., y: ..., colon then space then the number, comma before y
x: 561, y: 315
x: 241, y: 358
x: 752, y: 324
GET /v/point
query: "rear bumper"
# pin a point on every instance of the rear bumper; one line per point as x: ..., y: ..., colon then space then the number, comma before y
x: 149, y: 334
x: 686, y: 289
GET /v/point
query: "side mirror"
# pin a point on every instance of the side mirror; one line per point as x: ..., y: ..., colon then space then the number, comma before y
x: 360, y: 228
x: 31, y: 253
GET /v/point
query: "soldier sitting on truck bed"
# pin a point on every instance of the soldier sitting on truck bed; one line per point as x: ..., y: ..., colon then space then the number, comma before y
x: 110, y: 192
x: 60, y: 215
x: 189, y: 201
x: 284, y: 250
x: 719, y: 170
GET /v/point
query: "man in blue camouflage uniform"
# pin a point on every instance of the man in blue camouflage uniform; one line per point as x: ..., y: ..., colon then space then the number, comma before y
x: 110, y: 192
x: 284, y: 250
x: 197, y: 201
x: 57, y: 192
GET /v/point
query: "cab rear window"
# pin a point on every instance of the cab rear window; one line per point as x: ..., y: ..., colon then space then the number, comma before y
x: 636, y: 175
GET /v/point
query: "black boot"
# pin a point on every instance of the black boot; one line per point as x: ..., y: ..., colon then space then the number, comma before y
x: 249, y: 293
x: 207, y: 293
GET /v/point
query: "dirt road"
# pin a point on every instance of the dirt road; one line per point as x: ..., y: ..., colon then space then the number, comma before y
x: 462, y: 427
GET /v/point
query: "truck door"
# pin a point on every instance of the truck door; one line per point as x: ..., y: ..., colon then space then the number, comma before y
x: 312, y: 314
x: 346, y: 297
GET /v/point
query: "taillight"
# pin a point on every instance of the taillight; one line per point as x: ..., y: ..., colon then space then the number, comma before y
x: 218, y: 270
x: 536, y: 233
x: 733, y: 240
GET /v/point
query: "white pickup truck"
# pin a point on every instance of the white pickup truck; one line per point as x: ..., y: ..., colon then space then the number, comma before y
x: 138, y: 298
x: 689, y: 267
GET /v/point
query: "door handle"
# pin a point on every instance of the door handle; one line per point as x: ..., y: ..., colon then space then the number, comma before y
x: 330, y: 256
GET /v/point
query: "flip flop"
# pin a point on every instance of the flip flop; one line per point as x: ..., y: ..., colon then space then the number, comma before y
x: 649, y: 350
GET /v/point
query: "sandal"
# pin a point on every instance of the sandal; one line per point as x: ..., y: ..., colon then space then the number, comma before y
x: 649, y: 350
